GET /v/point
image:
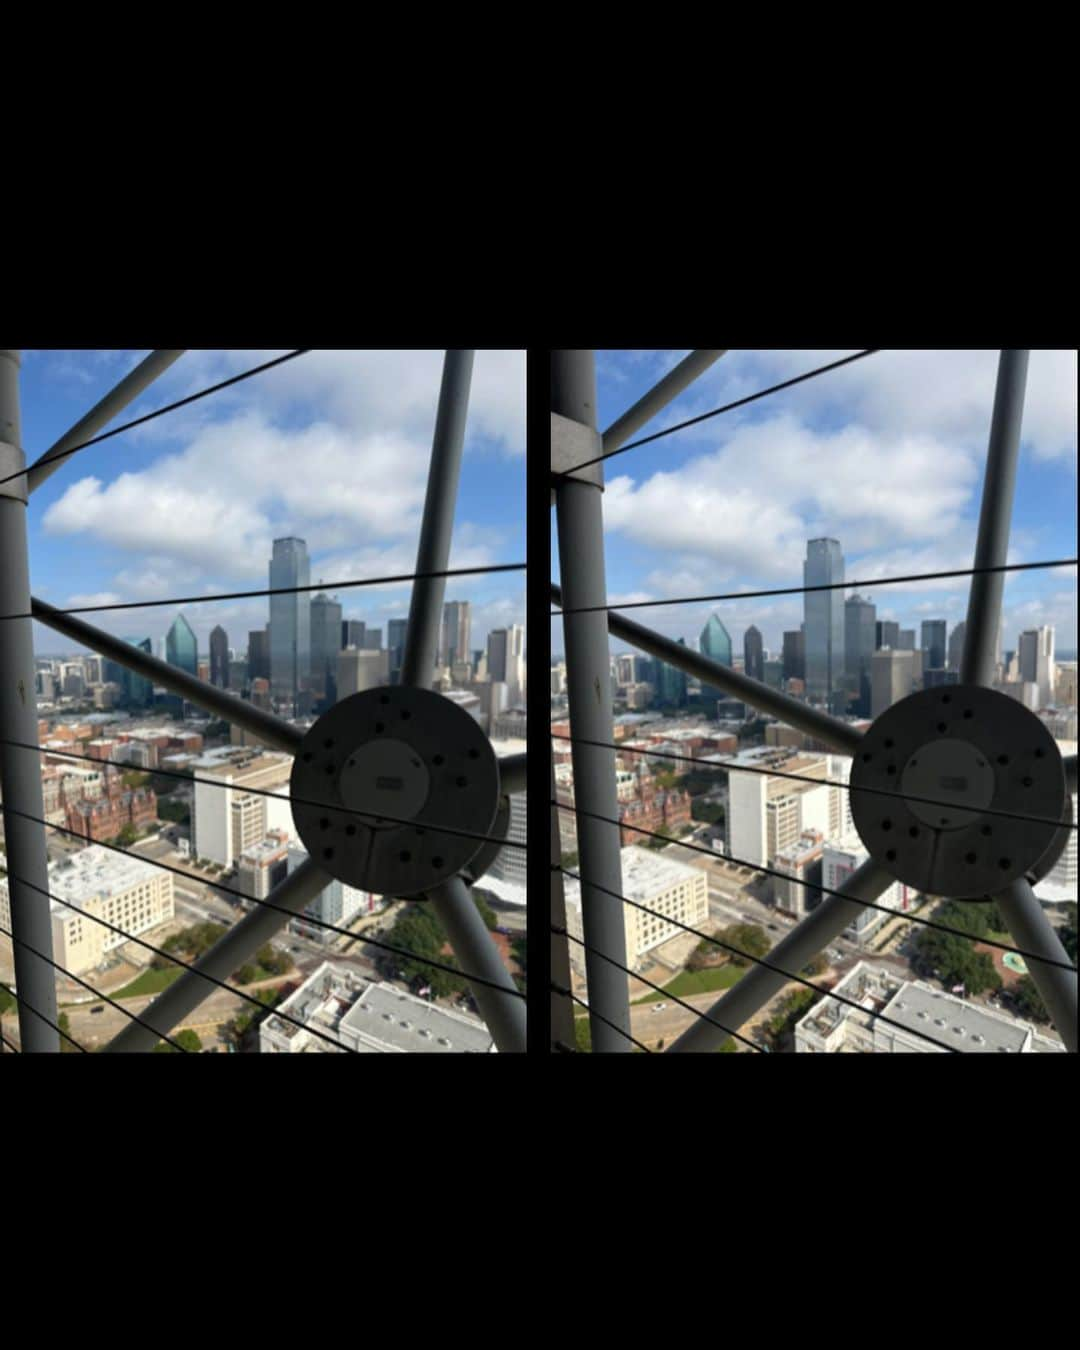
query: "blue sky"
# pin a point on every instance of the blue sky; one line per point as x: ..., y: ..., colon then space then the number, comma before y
x: 332, y: 446
x: 886, y: 455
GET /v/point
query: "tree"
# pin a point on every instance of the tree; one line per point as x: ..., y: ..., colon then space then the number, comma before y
x: 187, y: 1040
x: 1028, y: 1000
x: 246, y: 974
x: 817, y: 966
x: 127, y: 836
x: 748, y: 938
x: 6, y: 1002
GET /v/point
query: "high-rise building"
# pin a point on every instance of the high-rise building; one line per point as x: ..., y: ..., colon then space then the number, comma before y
x: 290, y: 620
x: 794, y: 655
x: 1036, y: 656
x: 753, y: 654
x: 887, y: 634
x: 219, y: 657
x: 823, y: 621
x: 359, y: 670
x: 860, y: 632
x: 671, y: 683
x: 395, y: 645
x: 372, y: 639
x: 715, y: 642
x: 325, y: 639
x: 455, y: 633
x: 891, y: 678
x: 906, y: 640
x: 506, y: 659
x: 181, y: 650
x: 956, y: 646
x: 259, y: 654
x: 933, y: 643
x: 352, y: 633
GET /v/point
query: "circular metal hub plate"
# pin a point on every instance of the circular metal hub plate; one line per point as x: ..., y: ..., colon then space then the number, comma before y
x: 965, y: 748
x: 390, y: 766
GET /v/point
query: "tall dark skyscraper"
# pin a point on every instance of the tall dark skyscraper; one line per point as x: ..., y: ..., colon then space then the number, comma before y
x: 372, y: 639
x: 325, y: 645
x: 219, y: 657
x: 395, y: 645
x: 887, y: 634
x: 823, y: 621
x: 290, y: 621
x: 671, y: 683
x: 753, y: 654
x: 933, y: 644
x: 956, y: 645
x: 352, y: 633
x: 794, y: 655
x: 259, y: 654
x: 715, y: 642
x: 905, y: 641
x: 135, y: 691
x: 455, y: 632
x: 182, y: 651
x: 860, y: 633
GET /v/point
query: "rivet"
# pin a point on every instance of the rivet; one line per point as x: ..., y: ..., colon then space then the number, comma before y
x: 968, y: 713
x: 891, y: 768
x: 891, y: 855
x: 886, y: 824
x: 1003, y: 759
x: 970, y: 858
x: 914, y: 831
x: 328, y: 853
x: 380, y: 726
x: 404, y: 857
x: 308, y: 757
x: 438, y: 760
x: 888, y: 745
x: 328, y: 745
x: 941, y: 726
x: 324, y: 824
x: 350, y: 830
x: 436, y: 862
x: 462, y: 782
x: 1004, y: 864
x: 405, y: 714
x: 474, y: 754
x: 986, y: 830
x: 1028, y: 782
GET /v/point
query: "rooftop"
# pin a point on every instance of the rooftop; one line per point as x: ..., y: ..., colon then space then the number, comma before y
x: 96, y: 872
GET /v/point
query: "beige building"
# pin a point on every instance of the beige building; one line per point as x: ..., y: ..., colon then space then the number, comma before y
x: 671, y: 889
x: 226, y: 821
x: 126, y: 891
x: 359, y: 669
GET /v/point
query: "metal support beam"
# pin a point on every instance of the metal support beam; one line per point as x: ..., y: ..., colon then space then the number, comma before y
x: 562, y: 1007
x: 269, y: 729
x: 20, y: 769
x: 1030, y: 929
x: 238, y: 945
x: 512, y: 773
x: 659, y: 396
x: 1070, y: 772
x: 839, y: 736
x: 801, y: 945
x: 504, y: 1014
x: 436, y: 528
x: 991, y: 549
x: 129, y: 389
x: 579, y: 513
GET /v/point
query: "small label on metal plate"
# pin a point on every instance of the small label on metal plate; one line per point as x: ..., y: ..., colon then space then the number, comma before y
x: 389, y: 784
x: 954, y: 784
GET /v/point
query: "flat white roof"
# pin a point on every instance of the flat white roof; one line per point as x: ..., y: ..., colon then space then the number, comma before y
x: 96, y: 872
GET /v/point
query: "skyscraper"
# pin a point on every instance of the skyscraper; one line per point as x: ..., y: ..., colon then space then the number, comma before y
x: 325, y: 645
x: 135, y: 691
x: 906, y: 640
x: 395, y: 645
x: 887, y: 634
x: 891, y: 678
x: 455, y: 633
x: 1036, y: 656
x: 290, y: 620
x: 182, y: 651
x: 823, y: 619
x: 259, y: 654
x: 956, y: 645
x: 794, y: 655
x: 219, y: 657
x: 933, y: 643
x: 671, y: 683
x: 715, y: 642
x: 860, y: 632
x: 372, y: 639
x: 352, y: 633
x: 753, y: 654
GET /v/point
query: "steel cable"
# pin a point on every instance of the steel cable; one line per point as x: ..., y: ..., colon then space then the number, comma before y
x: 566, y: 993
x: 43, y: 1018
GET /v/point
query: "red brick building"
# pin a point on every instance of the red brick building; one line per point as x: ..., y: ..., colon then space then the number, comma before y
x: 118, y: 806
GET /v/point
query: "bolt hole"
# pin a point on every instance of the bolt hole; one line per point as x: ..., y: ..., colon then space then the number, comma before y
x: 1004, y: 864
x: 941, y: 726
x: 914, y: 831
x: 405, y: 714
x: 886, y: 824
x: 350, y: 830
x: 352, y: 763
x: 474, y: 754
x: 462, y: 782
x: 324, y: 824
x: 438, y: 761
x: 328, y: 853
x: 384, y: 698
x: 329, y: 768
x: 1039, y: 754
x: 970, y: 858
x: 380, y: 727
x: 914, y: 763
x: 405, y: 857
x: 891, y: 768
x: 888, y: 745
x: 416, y: 763
x: 987, y: 831
x: 1028, y: 782
x: 944, y: 820
x: 1003, y: 759
x: 891, y: 855
x: 328, y: 745
x: 436, y: 862
x: 867, y: 758
x: 308, y: 757
x: 946, y: 698
x: 968, y: 713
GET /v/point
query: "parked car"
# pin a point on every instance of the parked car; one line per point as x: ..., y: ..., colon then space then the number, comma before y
x: 659, y: 1007
x: 99, y: 1008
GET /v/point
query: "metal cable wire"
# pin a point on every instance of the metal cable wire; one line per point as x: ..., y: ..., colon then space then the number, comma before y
x: 265, y: 792
x: 42, y: 1016
x: 825, y: 890
x: 760, y: 961
x: 97, y: 994
x: 824, y: 782
x: 567, y: 993
x: 681, y: 426
x: 184, y: 965
x: 829, y: 586
x: 277, y: 590
x: 171, y: 407
x: 10, y: 1044
x: 230, y: 890
x: 564, y: 932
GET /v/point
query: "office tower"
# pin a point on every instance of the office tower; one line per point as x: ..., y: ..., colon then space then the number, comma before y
x: 372, y: 639
x: 136, y: 691
x: 906, y: 640
x: 455, y: 633
x: 795, y: 655
x: 358, y: 670
x: 892, y: 676
x: 956, y: 646
x: 933, y: 643
x: 259, y: 654
x: 670, y: 683
x: 352, y: 633
x: 238, y: 675
x: 497, y: 649
x: 395, y: 645
x: 860, y: 632
x: 181, y: 650
x: 1036, y: 658
x: 625, y: 668
x: 753, y: 654
x: 92, y: 666
x: 219, y: 657
x: 887, y: 634
x: 290, y: 621
x: 715, y: 642
x: 325, y: 639
x: 506, y: 659
x: 823, y: 620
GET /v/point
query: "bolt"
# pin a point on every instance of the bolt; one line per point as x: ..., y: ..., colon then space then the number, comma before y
x: 436, y: 862
x: 970, y: 858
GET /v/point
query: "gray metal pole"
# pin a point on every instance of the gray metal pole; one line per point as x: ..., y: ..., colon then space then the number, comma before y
x: 1031, y: 929
x: 238, y: 945
x: 992, y: 546
x: 839, y: 736
x: 20, y: 770
x: 471, y: 941
x: 129, y: 388
x: 562, y: 1008
x: 659, y: 396
x: 579, y: 513
x: 801, y: 945
x: 512, y: 773
x: 436, y: 528
x: 269, y: 729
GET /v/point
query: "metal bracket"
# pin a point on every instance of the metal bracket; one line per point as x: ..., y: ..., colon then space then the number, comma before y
x: 12, y: 460
x: 573, y: 443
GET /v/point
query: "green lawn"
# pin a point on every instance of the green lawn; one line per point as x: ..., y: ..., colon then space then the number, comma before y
x: 1000, y: 937
x: 698, y: 982
x: 149, y: 982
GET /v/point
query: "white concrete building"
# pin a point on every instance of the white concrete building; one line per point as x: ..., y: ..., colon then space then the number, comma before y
x: 225, y: 820
x: 838, y: 860
x: 336, y: 903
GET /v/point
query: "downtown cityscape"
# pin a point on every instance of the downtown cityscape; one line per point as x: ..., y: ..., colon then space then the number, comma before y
x: 172, y: 824
x: 734, y: 826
